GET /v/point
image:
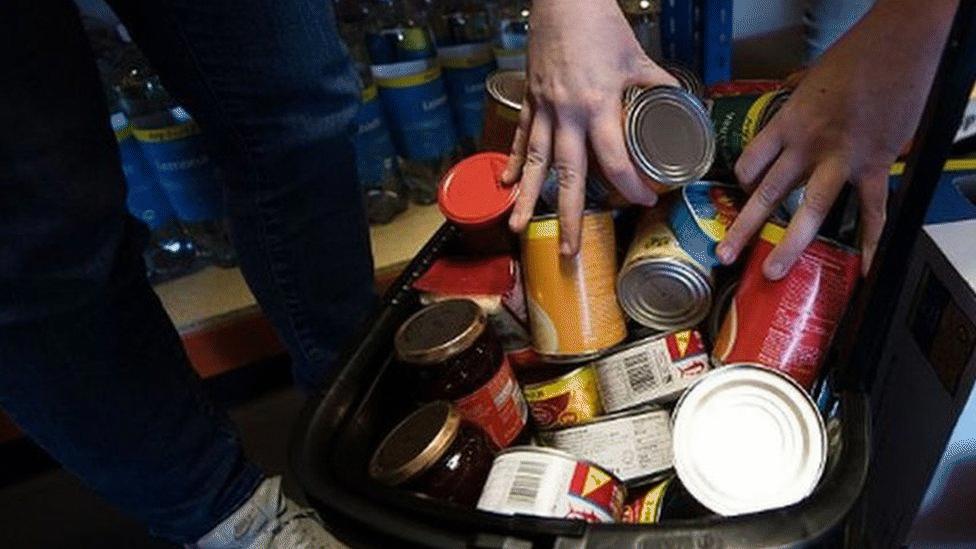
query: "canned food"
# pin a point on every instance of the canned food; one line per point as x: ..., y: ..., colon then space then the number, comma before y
x: 455, y: 356
x: 700, y: 217
x: 748, y: 439
x: 471, y: 195
x: 660, y: 286
x: 599, y: 193
x: 665, y: 500
x: 722, y: 302
x: 494, y: 283
x: 686, y: 77
x: 744, y: 87
x: 791, y: 204
x: 787, y: 325
x: 570, y: 399
x: 572, y: 301
x: 669, y: 135
x: 633, y: 445
x: 549, y: 483
x: 434, y: 452
x: 654, y: 370
x: 506, y: 91
x: 738, y: 119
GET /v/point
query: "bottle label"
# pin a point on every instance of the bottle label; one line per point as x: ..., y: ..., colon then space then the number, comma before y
x: 375, y: 155
x: 144, y: 199
x: 416, y: 105
x: 466, y: 68
x: 185, y: 171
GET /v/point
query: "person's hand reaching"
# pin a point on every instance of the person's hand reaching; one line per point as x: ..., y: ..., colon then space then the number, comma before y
x: 582, y: 55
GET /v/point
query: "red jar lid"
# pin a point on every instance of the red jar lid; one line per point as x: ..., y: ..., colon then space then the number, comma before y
x: 471, y: 193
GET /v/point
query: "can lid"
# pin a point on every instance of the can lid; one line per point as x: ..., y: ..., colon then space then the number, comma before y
x: 439, y: 331
x: 507, y: 87
x: 471, y: 192
x: 670, y: 135
x: 748, y: 439
x: 664, y: 294
x: 415, y: 443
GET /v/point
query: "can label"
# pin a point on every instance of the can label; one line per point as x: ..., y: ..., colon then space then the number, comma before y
x: 572, y: 301
x: 656, y: 371
x: 375, y: 155
x: 144, y: 199
x: 744, y: 87
x: 416, y: 105
x: 466, y: 67
x: 787, y: 325
x: 569, y: 400
x: 632, y: 447
x: 646, y: 508
x: 700, y: 217
x: 498, y: 407
x: 542, y: 484
x: 186, y: 174
x: 736, y: 120
x: 654, y: 239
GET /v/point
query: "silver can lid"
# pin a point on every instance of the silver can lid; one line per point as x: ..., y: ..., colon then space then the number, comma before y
x: 507, y: 87
x: 669, y: 135
x: 664, y: 294
x: 748, y: 439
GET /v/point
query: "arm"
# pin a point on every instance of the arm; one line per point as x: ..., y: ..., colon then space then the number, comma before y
x: 582, y: 55
x: 847, y: 121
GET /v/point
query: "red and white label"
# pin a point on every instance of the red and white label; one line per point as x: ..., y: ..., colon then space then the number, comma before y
x: 498, y: 407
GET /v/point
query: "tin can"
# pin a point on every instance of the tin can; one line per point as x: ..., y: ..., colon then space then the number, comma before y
x: 669, y: 135
x: 660, y: 286
x: 700, y: 217
x: 633, y: 445
x: 665, y: 500
x: 599, y: 193
x: 744, y: 87
x: 787, y: 325
x: 545, y: 482
x: 506, y: 91
x: 738, y: 119
x: 748, y: 439
x: 573, y: 310
x: 686, y: 77
x: 654, y: 370
x: 723, y: 300
x: 471, y: 196
x: 570, y: 399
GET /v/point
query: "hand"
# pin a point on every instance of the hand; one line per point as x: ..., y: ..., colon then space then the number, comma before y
x: 582, y: 55
x: 846, y: 122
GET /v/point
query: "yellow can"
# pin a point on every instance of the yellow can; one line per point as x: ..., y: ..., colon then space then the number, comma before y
x: 567, y: 400
x: 572, y: 301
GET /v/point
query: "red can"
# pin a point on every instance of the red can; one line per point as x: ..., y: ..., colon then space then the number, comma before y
x: 471, y: 195
x: 787, y: 325
x: 744, y: 87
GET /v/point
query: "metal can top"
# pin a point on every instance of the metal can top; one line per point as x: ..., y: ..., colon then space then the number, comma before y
x: 471, y: 193
x: 664, y: 294
x: 748, y: 439
x: 669, y: 135
x: 688, y: 79
x: 415, y: 443
x: 507, y: 87
x: 440, y: 331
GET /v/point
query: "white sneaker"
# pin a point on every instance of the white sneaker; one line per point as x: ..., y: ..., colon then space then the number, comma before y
x: 269, y: 520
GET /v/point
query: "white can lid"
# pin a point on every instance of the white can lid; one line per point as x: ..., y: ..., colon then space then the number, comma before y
x: 748, y: 439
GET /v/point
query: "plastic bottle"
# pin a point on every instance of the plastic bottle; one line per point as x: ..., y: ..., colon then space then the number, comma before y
x: 173, y: 144
x: 412, y: 93
x: 512, y: 34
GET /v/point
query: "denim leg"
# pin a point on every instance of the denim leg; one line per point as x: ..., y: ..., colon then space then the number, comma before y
x: 825, y: 21
x: 275, y: 92
x: 90, y: 366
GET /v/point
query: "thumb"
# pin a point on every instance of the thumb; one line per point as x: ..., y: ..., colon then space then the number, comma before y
x: 647, y: 74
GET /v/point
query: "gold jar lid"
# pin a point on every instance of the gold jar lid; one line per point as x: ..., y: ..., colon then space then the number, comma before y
x: 439, y: 331
x: 415, y: 444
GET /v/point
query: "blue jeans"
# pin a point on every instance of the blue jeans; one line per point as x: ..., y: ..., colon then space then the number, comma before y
x: 827, y: 20
x: 90, y: 365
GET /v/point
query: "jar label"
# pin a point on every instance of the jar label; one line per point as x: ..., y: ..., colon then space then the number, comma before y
x: 498, y: 407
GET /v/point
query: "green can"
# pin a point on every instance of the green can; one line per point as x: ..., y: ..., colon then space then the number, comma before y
x: 737, y: 120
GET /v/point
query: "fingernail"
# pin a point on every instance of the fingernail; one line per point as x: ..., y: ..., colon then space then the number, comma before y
x: 565, y: 248
x: 775, y: 270
x: 724, y: 253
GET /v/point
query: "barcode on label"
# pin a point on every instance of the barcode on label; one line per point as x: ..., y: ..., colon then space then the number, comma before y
x: 526, y: 484
x: 642, y: 376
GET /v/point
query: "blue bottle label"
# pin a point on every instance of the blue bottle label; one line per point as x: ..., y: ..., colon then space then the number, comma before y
x: 144, y: 199
x: 185, y: 171
x: 466, y: 67
x: 416, y: 105
x: 375, y: 155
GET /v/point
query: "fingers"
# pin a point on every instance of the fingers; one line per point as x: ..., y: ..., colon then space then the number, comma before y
x: 647, y: 73
x: 872, y: 190
x: 757, y: 157
x: 784, y: 174
x: 607, y: 138
x: 513, y: 171
x: 825, y: 184
x: 569, y: 161
x: 534, y: 169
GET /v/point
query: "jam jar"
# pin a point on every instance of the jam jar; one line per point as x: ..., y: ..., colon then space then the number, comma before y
x: 436, y: 453
x: 455, y: 356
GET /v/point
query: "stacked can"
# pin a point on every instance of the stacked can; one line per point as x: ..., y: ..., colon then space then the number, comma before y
x: 503, y: 102
x: 738, y: 119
